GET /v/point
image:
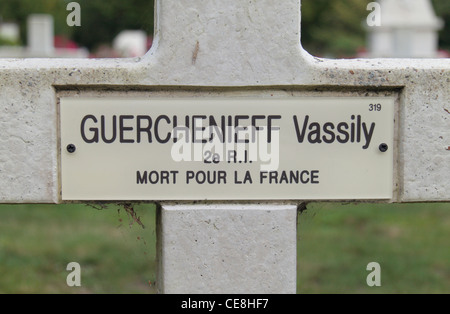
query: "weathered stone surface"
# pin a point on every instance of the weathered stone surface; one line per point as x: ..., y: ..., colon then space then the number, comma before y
x: 227, y: 249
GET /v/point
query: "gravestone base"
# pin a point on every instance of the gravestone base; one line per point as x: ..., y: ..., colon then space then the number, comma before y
x: 227, y: 248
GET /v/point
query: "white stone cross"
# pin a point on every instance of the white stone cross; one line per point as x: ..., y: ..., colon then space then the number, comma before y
x: 225, y: 46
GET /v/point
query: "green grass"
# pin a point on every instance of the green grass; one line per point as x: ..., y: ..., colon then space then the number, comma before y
x: 38, y: 241
x: 411, y: 242
x: 335, y: 243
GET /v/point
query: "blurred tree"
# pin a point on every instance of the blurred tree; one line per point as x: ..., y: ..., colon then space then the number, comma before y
x: 102, y: 20
x: 333, y: 28
x: 442, y: 8
x: 18, y: 11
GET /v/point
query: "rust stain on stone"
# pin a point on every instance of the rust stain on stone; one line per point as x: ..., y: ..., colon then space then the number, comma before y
x: 195, y: 53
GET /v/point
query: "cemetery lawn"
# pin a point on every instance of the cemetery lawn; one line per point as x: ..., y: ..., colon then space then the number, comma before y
x: 411, y: 242
x: 38, y: 241
x: 335, y: 243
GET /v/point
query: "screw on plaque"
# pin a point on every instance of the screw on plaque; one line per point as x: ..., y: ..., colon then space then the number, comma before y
x: 383, y: 147
x: 71, y: 148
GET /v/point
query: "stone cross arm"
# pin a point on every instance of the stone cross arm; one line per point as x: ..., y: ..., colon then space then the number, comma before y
x: 227, y: 46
